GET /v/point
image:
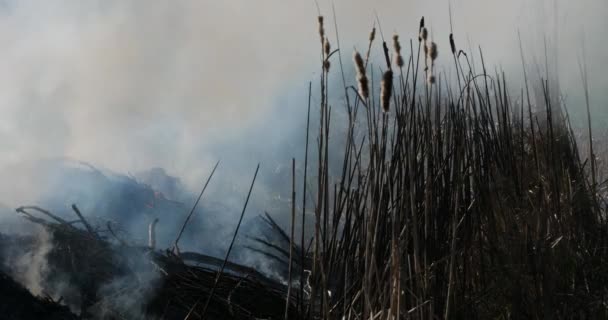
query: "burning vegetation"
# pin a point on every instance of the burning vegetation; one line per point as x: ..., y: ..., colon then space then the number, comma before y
x: 451, y: 201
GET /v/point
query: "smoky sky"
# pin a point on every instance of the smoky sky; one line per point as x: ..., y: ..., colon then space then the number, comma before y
x: 130, y: 85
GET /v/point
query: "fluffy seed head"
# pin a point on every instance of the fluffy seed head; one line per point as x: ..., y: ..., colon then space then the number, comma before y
x: 420, y: 29
x: 326, y: 47
x: 433, y: 51
x: 359, y: 63
x: 361, y: 77
x: 321, y: 28
x: 386, y: 90
x: 397, y: 47
x: 424, y: 34
x: 452, y: 44
x: 372, y: 35
x: 399, y: 60
x: 363, y: 86
x: 396, y: 44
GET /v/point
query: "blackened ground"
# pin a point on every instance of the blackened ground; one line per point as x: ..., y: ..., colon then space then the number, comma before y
x: 17, y: 303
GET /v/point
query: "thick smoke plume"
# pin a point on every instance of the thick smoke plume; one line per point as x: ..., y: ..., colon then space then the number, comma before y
x: 130, y: 86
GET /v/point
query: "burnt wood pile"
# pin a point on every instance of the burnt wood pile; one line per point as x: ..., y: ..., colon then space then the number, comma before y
x: 111, y: 279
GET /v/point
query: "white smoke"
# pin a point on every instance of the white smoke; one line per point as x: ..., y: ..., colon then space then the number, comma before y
x: 133, y: 85
x: 30, y: 268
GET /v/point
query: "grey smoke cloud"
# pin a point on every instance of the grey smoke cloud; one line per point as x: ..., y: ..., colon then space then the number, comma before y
x: 130, y: 85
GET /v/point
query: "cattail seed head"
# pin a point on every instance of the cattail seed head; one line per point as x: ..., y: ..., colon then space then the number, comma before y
x: 359, y: 63
x: 452, y: 44
x: 396, y: 44
x: 361, y: 77
x: 420, y: 29
x: 386, y: 90
x: 326, y: 65
x: 431, y: 78
x: 321, y: 28
x: 426, y: 51
x: 397, y: 47
x: 326, y: 47
x: 363, y: 86
x: 372, y: 35
x: 433, y: 51
x: 399, y: 61
x: 424, y: 34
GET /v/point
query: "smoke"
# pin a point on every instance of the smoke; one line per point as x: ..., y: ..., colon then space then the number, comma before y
x: 131, y: 85
x: 31, y: 267
x: 178, y: 85
x: 128, y: 86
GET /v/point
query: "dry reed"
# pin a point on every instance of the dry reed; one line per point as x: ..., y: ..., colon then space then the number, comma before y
x: 456, y: 207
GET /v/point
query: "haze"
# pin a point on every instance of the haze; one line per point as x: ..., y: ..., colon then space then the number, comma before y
x: 179, y: 84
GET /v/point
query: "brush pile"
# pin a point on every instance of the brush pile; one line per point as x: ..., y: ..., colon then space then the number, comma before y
x: 108, y: 279
x: 248, y: 295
